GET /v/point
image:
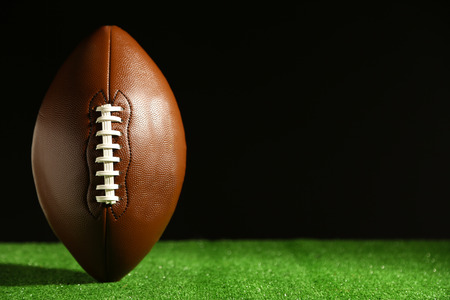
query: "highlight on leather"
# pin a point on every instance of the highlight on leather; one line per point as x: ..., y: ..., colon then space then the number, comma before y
x: 108, y: 159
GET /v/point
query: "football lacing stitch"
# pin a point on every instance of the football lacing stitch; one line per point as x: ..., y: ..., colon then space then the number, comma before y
x: 108, y: 159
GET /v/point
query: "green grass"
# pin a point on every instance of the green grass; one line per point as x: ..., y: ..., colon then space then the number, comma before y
x: 285, y: 269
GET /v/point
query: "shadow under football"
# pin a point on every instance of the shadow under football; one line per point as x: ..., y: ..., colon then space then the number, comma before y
x: 21, y: 275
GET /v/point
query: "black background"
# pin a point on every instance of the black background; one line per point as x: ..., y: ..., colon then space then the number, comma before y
x: 317, y: 120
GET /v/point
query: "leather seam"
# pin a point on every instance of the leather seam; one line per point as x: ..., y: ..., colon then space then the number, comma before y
x: 105, y: 219
x: 108, y: 81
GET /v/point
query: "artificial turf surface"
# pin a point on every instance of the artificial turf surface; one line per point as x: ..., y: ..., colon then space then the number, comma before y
x: 285, y: 269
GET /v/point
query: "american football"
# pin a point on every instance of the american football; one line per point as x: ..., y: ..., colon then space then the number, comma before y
x: 109, y: 154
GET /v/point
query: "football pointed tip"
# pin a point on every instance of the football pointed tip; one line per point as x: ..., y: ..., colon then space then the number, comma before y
x: 109, y: 28
x: 108, y: 278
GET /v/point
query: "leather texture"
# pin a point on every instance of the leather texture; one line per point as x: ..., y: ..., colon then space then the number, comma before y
x: 108, y: 241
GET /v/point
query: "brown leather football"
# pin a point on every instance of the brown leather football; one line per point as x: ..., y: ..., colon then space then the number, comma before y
x: 109, y: 154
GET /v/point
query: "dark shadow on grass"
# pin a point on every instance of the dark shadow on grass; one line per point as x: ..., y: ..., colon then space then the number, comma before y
x: 17, y: 275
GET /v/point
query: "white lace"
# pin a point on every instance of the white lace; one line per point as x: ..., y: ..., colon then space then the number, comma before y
x: 108, y: 159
